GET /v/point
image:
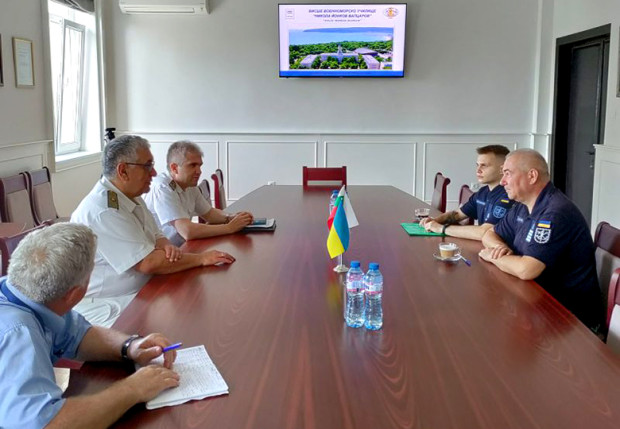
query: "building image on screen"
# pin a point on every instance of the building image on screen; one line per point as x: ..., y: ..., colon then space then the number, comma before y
x: 341, y: 48
x: 349, y: 40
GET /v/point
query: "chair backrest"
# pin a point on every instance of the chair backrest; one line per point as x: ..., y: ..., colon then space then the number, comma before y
x: 464, y: 194
x: 440, y: 192
x: 613, y: 312
x: 9, y: 244
x: 607, y: 242
x: 205, y: 190
x: 41, y: 197
x: 15, y: 199
x: 219, y: 197
x: 324, y: 176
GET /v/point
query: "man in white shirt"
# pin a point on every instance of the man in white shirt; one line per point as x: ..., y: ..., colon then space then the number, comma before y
x: 175, y: 198
x: 130, y: 246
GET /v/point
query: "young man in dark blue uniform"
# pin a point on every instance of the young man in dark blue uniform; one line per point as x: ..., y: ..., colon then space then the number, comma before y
x: 488, y: 206
x: 545, y: 238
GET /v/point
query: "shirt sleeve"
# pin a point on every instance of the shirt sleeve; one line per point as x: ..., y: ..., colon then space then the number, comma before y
x: 549, y: 238
x: 469, y: 208
x: 122, y: 242
x: 505, y: 228
x: 29, y: 396
x: 202, y: 205
x: 76, y: 326
x: 167, y: 205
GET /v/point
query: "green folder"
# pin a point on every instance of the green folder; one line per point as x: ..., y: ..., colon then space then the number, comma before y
x: 416, y: 229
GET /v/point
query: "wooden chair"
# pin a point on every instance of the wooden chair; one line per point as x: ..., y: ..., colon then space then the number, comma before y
x: 9, y: 244
x: 607, y: 255
x: 613, y: 311
x: 440, y: 192
x: 15, y: 199
x: 464, y: 194
x: 205, y: 190
x: 219, y: 197
x: 41, y: 196
x: 328, y: 176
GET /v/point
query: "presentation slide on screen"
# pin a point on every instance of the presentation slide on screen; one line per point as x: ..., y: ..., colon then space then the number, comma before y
x: 342, y: 40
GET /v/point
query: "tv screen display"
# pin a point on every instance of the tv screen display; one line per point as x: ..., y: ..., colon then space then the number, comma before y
x: 342, y: 40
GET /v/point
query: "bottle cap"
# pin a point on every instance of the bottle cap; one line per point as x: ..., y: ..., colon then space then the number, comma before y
x: 373, y: 266
x: 335, y: 192
x: 355, y: 264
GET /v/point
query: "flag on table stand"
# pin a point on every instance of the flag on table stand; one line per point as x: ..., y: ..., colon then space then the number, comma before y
x: 341, y: 219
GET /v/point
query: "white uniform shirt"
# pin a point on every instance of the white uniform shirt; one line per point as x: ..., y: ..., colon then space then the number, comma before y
x: 125, y: 236
x: 168, y: 202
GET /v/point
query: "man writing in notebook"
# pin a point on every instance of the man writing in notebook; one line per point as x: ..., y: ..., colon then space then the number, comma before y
x: 488, y: 206
x: 130, y: 246
x: 48, y: 274
x: 175, y: 198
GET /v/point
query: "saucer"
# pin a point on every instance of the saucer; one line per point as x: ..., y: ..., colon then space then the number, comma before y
x: 454, y: 258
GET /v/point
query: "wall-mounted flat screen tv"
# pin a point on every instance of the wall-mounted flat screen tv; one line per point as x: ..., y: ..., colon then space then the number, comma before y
x: 342, y: 40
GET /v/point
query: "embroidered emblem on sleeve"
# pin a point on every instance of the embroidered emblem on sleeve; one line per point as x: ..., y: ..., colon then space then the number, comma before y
x: 499, y: 212
x: 543, y: 232
x: 173, y: 185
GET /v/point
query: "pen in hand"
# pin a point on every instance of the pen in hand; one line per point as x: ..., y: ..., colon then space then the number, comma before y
x: 171, y: 347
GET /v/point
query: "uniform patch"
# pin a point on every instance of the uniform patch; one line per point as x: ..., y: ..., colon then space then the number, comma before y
x: 544, y: 224
x: 173, y: 185
x: 112, y: 200
x: 499, y: 212
x: 542, y: 234
x: 505, y: 201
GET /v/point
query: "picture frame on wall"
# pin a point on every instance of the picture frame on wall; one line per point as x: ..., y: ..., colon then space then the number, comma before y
x: 23, y: 59
x: 1, y: 70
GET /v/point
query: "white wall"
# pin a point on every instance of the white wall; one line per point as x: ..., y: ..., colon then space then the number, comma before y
x: 469, y: 69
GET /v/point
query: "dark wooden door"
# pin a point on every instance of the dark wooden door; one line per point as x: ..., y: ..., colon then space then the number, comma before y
x: 581, y: 83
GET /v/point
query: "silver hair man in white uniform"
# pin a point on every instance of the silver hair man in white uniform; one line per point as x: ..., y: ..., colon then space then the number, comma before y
x: 130, y: 246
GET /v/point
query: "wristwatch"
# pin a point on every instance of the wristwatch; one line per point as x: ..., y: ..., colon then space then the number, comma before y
x: 444, y: 227
x: 126, y: 345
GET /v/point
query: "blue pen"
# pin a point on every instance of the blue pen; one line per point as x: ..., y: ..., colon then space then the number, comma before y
x: 466, y: 261
x: 172, y: 347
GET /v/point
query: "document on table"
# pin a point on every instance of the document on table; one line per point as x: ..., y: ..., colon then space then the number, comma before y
x: 416, y: 229
x: 199, y: 379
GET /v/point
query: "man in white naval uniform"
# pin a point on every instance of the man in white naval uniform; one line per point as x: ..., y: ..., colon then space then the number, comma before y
x: 130, y: 246
x: 175, y: 198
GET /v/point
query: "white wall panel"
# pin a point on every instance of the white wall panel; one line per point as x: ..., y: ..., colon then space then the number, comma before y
x: 251, y: 164
x: 605, y: 200
x: 377, y: 162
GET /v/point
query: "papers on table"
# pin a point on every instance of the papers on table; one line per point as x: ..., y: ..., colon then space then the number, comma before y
x: 416, y: 229
x: 199, y: 379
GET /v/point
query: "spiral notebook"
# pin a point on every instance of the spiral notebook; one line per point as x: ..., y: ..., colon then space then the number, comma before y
x: 199, y: 379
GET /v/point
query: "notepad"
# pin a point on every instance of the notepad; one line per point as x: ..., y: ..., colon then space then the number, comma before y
x: 262, y: 225
x: 416, y: 229
x: 199, y: 379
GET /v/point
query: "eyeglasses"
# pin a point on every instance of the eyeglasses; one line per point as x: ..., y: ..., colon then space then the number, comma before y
x: 148, y: 166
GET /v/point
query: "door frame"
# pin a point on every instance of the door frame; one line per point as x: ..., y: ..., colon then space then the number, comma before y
x: 561, y: 93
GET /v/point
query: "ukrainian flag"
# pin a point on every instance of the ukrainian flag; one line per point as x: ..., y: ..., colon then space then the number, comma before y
x: 544, y: 224
x: 340, y: 220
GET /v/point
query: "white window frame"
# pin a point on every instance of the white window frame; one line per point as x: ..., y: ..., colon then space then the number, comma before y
x: 78, y: 144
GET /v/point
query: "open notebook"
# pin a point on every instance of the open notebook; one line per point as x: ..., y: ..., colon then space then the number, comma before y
x: 199, y: 379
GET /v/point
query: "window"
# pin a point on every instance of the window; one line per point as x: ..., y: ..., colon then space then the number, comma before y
x: 75, y: 90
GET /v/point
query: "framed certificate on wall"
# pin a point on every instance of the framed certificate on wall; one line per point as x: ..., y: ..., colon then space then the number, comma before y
x: 24, y: 62
x: 1, y: 71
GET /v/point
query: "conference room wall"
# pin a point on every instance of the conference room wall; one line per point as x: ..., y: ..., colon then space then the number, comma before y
x: 406, y: 161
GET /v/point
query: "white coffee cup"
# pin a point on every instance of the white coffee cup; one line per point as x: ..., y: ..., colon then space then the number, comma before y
x: 449, y: 250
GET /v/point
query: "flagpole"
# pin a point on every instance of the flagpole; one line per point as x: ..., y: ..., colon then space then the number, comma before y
x: 340, y: 268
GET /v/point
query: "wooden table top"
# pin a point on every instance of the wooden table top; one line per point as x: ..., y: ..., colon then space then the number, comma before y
x: 461, y: 347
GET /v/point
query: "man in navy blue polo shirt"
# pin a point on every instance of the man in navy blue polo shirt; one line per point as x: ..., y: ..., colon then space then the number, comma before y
x: 545, y: 238
x: 488, y: 206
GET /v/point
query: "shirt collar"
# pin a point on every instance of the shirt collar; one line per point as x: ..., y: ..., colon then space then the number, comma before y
x: 123, y: 200
x: 166, y: 179
x: 546, y: 192
x: 51, y: 320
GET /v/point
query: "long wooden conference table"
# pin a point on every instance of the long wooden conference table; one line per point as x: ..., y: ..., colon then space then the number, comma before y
x: 461, y: 347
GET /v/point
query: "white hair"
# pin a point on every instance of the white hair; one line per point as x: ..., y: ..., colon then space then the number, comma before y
x: 48, y: 262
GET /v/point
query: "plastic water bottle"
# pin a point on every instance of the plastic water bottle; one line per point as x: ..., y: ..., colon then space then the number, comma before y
x: 332, y: 200
x: 354, y: 307
x: 373, y: 286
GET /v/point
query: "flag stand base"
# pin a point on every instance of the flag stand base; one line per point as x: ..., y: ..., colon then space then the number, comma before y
x: 341, y: 268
